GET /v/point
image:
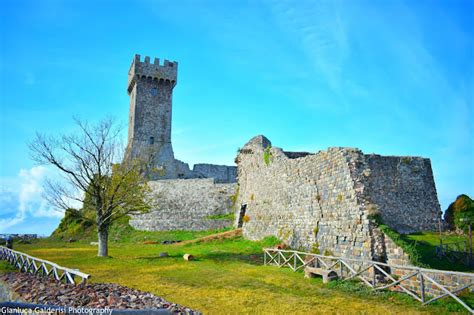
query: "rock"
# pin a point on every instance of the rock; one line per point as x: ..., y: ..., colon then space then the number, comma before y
x: 94, y: 243
x: 188, y: 257
x: 163, y: 254
x: 71, y: 240
x: 44, y: 290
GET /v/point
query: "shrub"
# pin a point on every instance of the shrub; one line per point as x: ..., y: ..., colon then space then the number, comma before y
x: 373, y: 213
x: 327, y: 252
x: 460, y: 213
x: 235, y: 197
x: 406, y: 160
x: 267, y: 155
x: 316, y: 230
x: 315, y: 248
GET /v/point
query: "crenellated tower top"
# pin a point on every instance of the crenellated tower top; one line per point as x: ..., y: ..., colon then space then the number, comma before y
x: 144, y: 70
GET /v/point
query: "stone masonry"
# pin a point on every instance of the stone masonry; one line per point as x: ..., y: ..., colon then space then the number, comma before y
x: 187, y: 204
x: 186, y: 198
x: 150, y: 87
x: 323, y: 201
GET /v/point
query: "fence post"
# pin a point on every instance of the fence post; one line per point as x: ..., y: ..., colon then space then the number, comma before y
x: 265, y: 258
x: 374, y: 278
x: 422, y: 286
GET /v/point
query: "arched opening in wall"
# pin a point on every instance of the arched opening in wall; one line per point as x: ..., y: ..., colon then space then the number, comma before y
x: 243, y: 208
x: 151, y: 140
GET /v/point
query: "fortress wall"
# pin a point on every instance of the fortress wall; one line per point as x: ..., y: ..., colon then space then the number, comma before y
x: 324, y: 200
x: 186, y: 204
x: 404, y: 191
x: 220, y: 173
x: 308, y: 202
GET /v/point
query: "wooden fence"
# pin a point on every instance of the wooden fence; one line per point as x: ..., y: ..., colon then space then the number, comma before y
x: 424, y: 285
x: 27, y: 263
x: 455, y: 252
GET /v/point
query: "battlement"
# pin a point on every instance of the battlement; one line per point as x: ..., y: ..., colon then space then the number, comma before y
x: 144, y: 70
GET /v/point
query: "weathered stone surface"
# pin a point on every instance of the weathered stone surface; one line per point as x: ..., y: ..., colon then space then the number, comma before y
x: 323, y: 201
x: 220, y: 173
x: 186, y: 204
x: 150, y: 86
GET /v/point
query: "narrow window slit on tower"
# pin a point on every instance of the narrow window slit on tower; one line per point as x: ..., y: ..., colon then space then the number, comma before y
x: 154, y: 91
x: 152, y: 140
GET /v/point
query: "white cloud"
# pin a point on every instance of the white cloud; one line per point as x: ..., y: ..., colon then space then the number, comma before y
x: 26, y: 198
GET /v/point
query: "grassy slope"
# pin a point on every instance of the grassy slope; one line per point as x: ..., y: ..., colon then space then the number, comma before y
x: 425, y: 244
x: 227, y: 277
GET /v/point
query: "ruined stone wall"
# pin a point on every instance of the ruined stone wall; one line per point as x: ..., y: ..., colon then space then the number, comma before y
x: 324, y: 201
x: 403, y: 189
x: 309, y: 202
x: 220, y: 173
x: 186, y: 204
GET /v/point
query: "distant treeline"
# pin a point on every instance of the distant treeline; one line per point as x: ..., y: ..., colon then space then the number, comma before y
x: 19, y: 236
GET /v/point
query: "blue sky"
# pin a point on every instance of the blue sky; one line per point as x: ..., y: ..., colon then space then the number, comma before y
x: 390, y: 77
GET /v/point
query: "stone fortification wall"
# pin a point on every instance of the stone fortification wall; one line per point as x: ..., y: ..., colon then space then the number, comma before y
x: 309, y: 202
x: 186, y: 205
x: 323, y: 201
x: 220, y: 173
x: 403, y: 189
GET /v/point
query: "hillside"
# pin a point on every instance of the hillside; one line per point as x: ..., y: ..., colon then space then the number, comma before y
x: 75, y: 229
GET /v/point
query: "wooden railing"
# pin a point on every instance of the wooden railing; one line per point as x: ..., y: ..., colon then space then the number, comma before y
x: 422, y: 284
x: 27, y: 263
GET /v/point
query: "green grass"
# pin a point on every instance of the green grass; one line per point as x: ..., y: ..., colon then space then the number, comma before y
x: 421, y: 247
x: 120, y: 231
x: 425, y: 244
x: 228, y: 216
x: 6, y: 267
x: 227, y: 277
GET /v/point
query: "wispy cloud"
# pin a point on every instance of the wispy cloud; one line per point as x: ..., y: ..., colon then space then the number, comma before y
x: 26, y: 199
x: 320, y: 33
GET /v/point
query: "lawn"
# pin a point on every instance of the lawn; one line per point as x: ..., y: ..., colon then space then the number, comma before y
x: 226, y: 278
x: 425, y: 244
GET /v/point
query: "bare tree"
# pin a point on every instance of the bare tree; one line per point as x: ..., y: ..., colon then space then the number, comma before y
x: 89, y: 162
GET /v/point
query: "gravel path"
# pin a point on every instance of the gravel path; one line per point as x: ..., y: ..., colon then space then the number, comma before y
x: 43, y: 290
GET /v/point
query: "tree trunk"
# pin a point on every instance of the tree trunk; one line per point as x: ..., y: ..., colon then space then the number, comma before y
x: 103, y: 242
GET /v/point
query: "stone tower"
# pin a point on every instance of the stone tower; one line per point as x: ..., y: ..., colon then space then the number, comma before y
x: 150, y: 87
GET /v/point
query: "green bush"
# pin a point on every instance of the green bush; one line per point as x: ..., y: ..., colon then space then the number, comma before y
x: 460, y: 213
x: 73, y: 225
x: 267, y: 155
